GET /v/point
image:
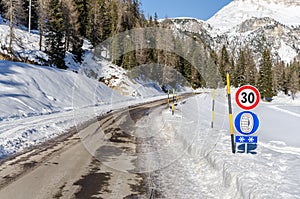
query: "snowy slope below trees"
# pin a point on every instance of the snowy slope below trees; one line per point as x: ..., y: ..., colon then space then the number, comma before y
x: 27, y: 46
x: 117, y: 78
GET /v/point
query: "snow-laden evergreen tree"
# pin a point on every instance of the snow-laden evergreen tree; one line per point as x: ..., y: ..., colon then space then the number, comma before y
x: 55, y: 46
x: 265, y: 81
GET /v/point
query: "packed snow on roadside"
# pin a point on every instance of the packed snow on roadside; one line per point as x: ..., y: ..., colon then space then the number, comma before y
x: 203, y: 166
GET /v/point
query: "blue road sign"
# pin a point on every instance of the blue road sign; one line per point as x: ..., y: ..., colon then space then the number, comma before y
x: 246, y: 139
x: 246, y: 122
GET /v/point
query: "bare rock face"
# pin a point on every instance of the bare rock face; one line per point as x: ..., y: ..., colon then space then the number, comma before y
x: 257, y: 24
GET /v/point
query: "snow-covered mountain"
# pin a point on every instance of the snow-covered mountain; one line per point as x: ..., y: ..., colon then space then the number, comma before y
x: 284, y: 11
x: 257, y: 24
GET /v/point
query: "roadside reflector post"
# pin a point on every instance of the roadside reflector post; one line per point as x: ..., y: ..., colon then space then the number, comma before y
x: 173, y: 102
x: 173, y: 95
x: 173, y: 108
x: 168, y: 96
x: 213, y: 108
x: 230, y: 113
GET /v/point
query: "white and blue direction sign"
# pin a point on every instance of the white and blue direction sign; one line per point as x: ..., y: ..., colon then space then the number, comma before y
x: 246, y: 122
x: 246, y: 139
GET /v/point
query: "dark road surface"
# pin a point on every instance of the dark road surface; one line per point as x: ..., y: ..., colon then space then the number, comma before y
x: 97, y: 162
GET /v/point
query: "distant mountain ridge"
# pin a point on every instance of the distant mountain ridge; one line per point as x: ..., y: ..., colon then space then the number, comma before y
x: 257, y: 24
x: 286, y: 2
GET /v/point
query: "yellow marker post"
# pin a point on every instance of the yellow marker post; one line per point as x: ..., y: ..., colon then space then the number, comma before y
x: 173, y: 101
x: 213, y: 108
x: 230, y: 113
x: 173, y: 108
x: 168, y: 96
x: 173, y: 95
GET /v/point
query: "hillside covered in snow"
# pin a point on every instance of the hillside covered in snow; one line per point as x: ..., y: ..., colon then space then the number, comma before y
x: 260, y: 24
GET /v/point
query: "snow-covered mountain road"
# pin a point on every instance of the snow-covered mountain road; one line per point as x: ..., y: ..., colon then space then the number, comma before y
x: 146, y: 152
x: 68, y: 167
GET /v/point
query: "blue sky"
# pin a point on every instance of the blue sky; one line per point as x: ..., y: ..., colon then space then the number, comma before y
x: 201, y: 9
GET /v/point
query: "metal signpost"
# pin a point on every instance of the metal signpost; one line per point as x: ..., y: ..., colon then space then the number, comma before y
x: 246, y: 122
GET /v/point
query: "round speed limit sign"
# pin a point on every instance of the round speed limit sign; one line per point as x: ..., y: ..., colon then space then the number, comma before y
x: 247, y: 97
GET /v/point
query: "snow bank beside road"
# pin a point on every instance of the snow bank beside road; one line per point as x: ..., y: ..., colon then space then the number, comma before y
x: 274, y: 172
x: 38, y: 103
x: 27, y: 90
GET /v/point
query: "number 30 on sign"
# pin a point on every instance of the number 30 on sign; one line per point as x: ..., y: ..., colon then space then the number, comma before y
x: 247, y: 97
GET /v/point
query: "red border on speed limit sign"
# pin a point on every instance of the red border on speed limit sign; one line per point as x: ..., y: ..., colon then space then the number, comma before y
x: 247, y: 97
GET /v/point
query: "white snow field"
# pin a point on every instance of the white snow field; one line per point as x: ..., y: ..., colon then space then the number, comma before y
x: 203, y: 166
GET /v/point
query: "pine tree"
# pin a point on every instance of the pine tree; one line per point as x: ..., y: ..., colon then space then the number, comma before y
x: 265, y: 82
x: 240, y: 69
x: 96, y: 10
x: 83, y: 12
x: 42, y: 16
x: 34, y: 14
x: 212, y: 73
x: 55, y: 35
x: 279, y: 78
x: 250, y: 68
x: 156, y: 23
x: 73, y: 38
x: 294, y: 86
x: 128, y: 59
x: 2, y: 9
x: 224, y: 64
x: 294, y: 78
x: 286, y: 79
x: 13, y: 13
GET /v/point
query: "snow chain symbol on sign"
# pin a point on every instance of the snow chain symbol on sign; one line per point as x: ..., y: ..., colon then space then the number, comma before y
x: 246, y: 123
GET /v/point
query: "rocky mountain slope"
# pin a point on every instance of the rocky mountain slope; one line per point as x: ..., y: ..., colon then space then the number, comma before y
x: 257, y: 24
